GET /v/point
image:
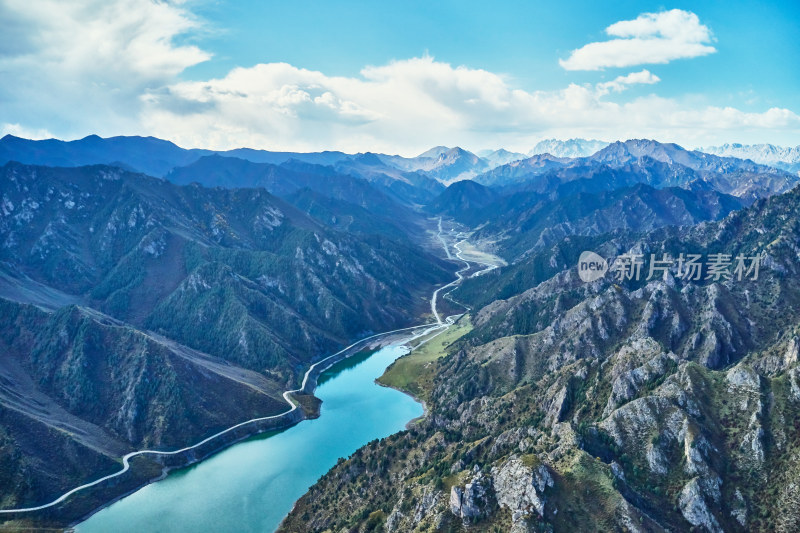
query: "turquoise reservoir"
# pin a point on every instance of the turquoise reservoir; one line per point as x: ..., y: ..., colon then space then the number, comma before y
x: 252, y: 485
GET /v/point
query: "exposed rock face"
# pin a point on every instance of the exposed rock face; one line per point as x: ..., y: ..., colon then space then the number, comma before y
x: 743, y: 377
x: 694, y: 508
x: 521, y: 488
x: 473, y: 501
x: 739, y: 511
x: 512, y: 485
x: 627, y: 385
x: 457, y: 501
x: 651, y: 406
x: 426, y: 503
x: 557, y: 406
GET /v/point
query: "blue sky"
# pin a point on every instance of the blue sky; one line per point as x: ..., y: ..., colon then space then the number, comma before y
x: 401, y: 76
x: 758, y: 43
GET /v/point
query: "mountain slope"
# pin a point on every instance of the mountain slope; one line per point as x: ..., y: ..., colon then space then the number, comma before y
x: 462, y: 197
x: 614, y: 405
x: 454, y: 165
x: 568, y: 148
x: 350, y: 217
x: 520, y: 224
x: 623, y: 164
x: 248, y: 268
x: 764, y: 154
x: 287, y: 179
x: 408, y: 186
x: 93, y: 389
x: 522, y: 170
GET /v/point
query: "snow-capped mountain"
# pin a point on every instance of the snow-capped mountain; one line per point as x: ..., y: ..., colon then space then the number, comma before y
x: 568, y: 148
x: 441, y: 163
x: 786, y: 158
x: 455, y: 164
x: 659, y: 164
x: 495, y: 158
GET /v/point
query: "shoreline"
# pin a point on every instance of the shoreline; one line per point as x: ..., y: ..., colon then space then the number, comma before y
x: 420, y: 401
x: 193, y: 454
x: 450, y: 321
x: 308, y: 387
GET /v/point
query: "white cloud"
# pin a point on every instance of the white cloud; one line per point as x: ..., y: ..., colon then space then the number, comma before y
x: 391, y: 106
x: 18, y: 130
x: 66, y: 60
x: 114, y: 67
x: 620, y: 83
x: 410, y: 105
x: 650, y: 38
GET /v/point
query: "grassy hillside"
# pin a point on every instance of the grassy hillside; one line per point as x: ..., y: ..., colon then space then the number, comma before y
x: 414, y: 373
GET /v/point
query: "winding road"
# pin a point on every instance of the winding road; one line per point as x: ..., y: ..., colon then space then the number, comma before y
x: 459, y: 274
x: 319, y: 366
x: 449, y: 321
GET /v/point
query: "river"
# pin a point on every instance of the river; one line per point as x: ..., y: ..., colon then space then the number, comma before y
x: 252, y: 485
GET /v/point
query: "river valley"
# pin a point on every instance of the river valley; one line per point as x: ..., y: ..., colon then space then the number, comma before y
x: 252, y: 485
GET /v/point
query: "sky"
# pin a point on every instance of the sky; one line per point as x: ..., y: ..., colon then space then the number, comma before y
x: 400, y: 77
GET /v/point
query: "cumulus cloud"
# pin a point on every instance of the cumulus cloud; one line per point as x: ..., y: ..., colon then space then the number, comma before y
x: 412, y: 104
x: 390, y: 106
x: 66, y: 60
x: 115, y: 67
x: 620, y: 83
x: 649, y: 38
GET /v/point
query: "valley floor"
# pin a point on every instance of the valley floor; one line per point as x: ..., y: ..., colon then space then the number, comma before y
x: 138, y: 466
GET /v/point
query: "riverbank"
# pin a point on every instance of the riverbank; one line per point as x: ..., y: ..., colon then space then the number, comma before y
x: 282, y: 421
x: 253, y: 485
x: 144, y: 467
x: 413, y: 373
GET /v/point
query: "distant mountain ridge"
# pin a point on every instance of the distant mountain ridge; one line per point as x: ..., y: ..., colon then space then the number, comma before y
x: 442, y: 163
x: 520, y: 170
x: 642, y: 161
x: 568, y: 148
x: 286, y: 179
x: 499, y: 157
x: 155, y: 157
x: 787, y: 158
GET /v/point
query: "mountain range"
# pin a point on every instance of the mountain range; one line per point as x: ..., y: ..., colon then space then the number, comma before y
x: 158, y: 157
x: 140, y: 313
x: 568, y: 148
x: 622, y: 404
x: 765, y: 154
x: 152, y: 296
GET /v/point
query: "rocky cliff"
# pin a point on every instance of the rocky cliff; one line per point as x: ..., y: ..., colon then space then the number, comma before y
x: 660, y: 405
